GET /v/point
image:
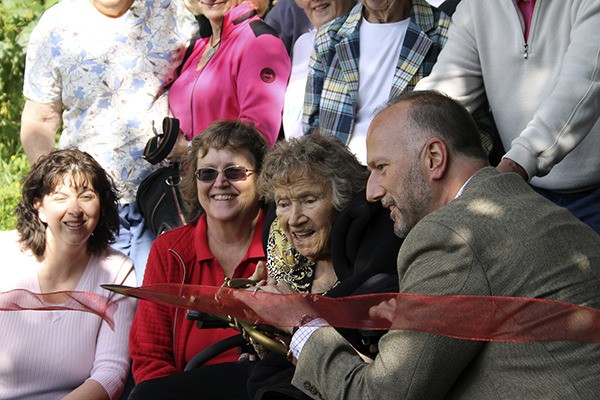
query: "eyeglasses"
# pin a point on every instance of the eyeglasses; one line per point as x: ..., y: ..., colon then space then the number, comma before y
x: 232, y: 173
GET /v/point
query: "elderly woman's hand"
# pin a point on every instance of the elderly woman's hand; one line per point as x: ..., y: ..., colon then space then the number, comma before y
x: 268, y: 311
x: 272, y: 286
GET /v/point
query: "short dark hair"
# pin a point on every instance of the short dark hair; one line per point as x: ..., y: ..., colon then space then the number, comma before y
x: 443, y: 117
x: 220, y: 135
x: 324, y: 159
x: 45, y: 175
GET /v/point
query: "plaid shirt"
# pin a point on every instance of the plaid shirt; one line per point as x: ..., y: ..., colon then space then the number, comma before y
x: 332, y: 88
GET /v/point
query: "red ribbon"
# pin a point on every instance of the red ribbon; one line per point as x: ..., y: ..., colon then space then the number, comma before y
x: 21, y: 299
x: 482, y: 318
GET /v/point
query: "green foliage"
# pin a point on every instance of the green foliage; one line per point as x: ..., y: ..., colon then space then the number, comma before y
x: 12, y: 172
x: 17, y: 20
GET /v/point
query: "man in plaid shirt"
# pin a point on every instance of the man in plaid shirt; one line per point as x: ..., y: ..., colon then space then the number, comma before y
x: 377, y: 51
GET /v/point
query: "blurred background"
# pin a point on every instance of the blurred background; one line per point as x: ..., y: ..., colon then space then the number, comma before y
x: 17, y: 19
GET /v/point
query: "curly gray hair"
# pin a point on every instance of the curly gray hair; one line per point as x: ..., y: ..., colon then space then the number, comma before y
x: 325, y: 160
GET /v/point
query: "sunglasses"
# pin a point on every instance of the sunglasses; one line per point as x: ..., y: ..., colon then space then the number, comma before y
x: 232, y: 173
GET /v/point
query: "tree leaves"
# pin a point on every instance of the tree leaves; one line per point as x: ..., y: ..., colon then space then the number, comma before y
x: 17, y: 20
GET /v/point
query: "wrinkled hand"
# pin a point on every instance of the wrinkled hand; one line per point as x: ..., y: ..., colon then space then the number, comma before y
x: 272, y: 286
x: 275, y: 304
x: 508, y: 165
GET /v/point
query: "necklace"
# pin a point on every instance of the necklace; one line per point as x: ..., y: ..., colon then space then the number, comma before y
x: 212, y: 49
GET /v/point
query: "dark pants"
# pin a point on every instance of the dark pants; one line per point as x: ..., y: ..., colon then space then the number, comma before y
x: 583, y: 205
x: 225, y: 381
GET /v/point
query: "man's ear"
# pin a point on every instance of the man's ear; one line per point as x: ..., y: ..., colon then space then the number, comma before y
x: 435, y: 158
x: 37, y: 204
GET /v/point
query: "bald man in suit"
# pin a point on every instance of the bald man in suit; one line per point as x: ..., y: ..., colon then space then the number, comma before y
x: 469, y: 230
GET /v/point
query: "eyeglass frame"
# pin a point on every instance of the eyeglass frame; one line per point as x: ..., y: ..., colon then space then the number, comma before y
x: 247, y: 172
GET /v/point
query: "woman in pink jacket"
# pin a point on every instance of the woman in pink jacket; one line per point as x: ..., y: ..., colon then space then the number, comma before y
x: 240, y: 71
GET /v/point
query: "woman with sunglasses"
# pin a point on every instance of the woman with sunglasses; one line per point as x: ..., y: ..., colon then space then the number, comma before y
x: 224, y: 240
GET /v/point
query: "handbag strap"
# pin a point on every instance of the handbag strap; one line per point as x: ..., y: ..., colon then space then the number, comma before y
x: 159, y: 147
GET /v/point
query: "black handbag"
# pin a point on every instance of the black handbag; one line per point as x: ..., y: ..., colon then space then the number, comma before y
x: 159, y: 200
x: 158, y: 197
x: 161, y: 144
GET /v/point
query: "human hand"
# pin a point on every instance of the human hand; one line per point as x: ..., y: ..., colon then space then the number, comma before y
x: 261, y: 7
x: 260, y: 350
x: 384, y: 310
x: 180, y: 149
x: 508, y: 165
x: 248, y: 356
x: 274, y: 303
x: 260, y: 272
x: 272, y: 286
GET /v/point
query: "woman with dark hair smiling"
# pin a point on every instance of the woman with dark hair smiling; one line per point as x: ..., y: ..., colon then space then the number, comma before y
x: 67, y: 219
